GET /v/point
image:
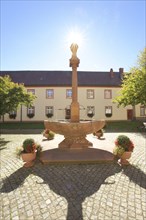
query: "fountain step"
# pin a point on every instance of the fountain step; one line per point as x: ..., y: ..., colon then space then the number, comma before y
x: 88, y: 155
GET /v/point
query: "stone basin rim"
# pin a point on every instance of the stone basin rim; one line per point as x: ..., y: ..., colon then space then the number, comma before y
x: 69, y: 122
x: 74, y: 128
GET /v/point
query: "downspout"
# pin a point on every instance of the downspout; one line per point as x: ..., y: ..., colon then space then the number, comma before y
x: 21, y: 114
x: 134, y: 113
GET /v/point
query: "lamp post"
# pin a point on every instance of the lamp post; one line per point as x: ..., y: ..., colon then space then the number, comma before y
x: 74, y: 63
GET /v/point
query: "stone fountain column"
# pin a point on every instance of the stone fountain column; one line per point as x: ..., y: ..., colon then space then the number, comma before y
x: 74, y: 131
x: 74, y: 63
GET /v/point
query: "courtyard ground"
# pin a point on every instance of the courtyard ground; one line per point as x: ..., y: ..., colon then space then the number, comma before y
x: 73, y: 191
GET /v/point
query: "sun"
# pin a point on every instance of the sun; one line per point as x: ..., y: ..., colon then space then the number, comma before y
x: 74, y: 36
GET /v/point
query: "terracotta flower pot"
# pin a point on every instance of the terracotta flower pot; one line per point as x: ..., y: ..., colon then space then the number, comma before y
x: 28, y: 158
x: 49, y: 137
x: 46, y: 136
x: 124, y: 158
x: 98, y: 134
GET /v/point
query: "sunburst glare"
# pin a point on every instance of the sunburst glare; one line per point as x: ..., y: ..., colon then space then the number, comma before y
x: 75, y: 36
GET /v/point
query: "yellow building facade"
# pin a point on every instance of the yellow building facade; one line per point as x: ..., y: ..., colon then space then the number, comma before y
x: 102, y: 107
x: 96, y: 92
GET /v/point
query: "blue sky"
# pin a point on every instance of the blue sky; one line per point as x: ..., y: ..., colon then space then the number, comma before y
x: 34, y: 34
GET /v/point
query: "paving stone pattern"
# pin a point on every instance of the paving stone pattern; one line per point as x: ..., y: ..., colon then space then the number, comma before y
x: 72, y: 191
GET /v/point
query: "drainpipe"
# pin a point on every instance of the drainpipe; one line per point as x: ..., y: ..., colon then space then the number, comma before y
x: 21, y: 114
x: 134, y: 113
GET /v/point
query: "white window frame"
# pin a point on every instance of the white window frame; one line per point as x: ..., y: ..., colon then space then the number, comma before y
x: 31, y: 110
x: 49, y: 110
x: 68, y: 93
x: 49, y: 93
x: 142, y: 110
x: 90, y: 110
x: 90, y: 93
x: 107, y: 94
x: 31, y: 91
x: 108, y: 110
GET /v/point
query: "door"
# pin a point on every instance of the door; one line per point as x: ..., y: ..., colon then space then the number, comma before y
x: 129, y: 114
x: 67, y: 113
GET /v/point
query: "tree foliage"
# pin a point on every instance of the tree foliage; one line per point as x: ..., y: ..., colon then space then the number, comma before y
x: 133, y: 89
x: 12, y: 95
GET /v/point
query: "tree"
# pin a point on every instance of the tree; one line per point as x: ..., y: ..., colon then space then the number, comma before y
x: 133, y: 89
x: 12, y: 95
x: 142, y: 59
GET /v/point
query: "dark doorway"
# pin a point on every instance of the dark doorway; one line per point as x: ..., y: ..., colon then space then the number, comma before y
x: 67, y: 113
x: 129, y: 114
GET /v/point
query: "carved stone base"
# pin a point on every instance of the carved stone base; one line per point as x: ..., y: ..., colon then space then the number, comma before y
x: 79, y: 142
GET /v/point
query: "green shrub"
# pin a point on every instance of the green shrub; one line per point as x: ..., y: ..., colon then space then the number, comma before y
x: 29, y: 145
x: 48, y: 134
x: 122, y: 144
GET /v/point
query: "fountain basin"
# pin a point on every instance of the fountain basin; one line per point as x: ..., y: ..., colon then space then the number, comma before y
x: 74, y: 132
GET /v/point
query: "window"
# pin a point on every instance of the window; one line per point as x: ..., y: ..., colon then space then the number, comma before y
x: 31, y: 111
x: 67, y: 112
x: 49, y: 111
x: 68, y: 93
x: 107, y: 93
x: 108, y: 111
x: 142, y: 111
x: 90, y: 93
x: 49, y: 93
x: 31, y: 91
x: 12, y: 114
x: 90, y: 111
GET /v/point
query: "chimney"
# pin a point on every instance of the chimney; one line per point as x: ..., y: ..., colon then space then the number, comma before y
x: 111, y: 73
x: 121, y: 71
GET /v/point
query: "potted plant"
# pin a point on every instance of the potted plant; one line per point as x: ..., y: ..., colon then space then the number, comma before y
x: 49, y: 115
x: 12, y: 115
x: 98, y: 133
x: 123, y: 148
x: 30, y: 115
x: 48, y: 134
x: 28, y: 151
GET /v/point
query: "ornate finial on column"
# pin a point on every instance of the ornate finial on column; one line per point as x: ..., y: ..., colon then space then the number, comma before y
x: 74, y: 61
x: 74, y: 48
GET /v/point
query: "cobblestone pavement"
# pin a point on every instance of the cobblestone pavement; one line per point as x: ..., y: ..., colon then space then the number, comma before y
x: 73, y: 191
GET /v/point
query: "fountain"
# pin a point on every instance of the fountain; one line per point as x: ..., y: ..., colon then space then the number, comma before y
x: 74, y: 145
x: 74, y: 131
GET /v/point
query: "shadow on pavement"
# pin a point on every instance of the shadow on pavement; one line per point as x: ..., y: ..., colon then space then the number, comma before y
x: 73, y: 182
x: 3, y: 143
x: 135, y: 175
